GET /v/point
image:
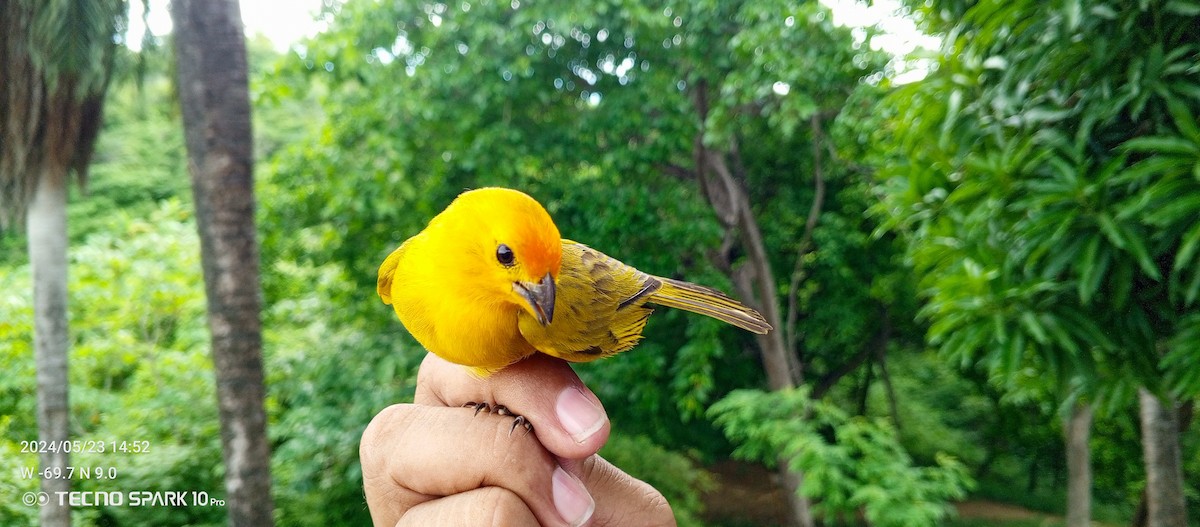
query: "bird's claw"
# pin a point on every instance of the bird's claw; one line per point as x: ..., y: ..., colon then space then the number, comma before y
x: 521, y: 421
x: 479, y: 407
x: 499, y: 409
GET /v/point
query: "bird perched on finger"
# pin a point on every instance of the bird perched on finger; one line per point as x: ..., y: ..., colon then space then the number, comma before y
x: 491, y: 281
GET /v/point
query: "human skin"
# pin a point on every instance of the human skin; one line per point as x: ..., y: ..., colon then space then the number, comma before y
x: 435, y: 462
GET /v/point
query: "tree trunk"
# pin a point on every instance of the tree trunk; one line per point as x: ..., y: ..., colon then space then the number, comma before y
x: 50, y: 114
x: 754, y: 282
x: 1165, y: 503
x: 46, y: 224
x: 213, y: 92
x: 1079, y: 467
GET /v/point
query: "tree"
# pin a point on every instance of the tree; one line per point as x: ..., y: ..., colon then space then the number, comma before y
x: 726, y: 98
x: 1166, y: 505
x: 56, y: 57
x: 711, y: 111
x: 214, y: 94
x: 1079, y: 466
x: 1044, y: 190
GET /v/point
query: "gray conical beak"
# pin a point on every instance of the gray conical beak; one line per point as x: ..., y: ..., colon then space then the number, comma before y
x: 540, y: 297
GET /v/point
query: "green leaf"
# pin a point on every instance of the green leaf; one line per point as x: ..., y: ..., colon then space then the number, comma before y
x: 1061, y: 336
x: 1031, y: 324
x: 1184, y: 120
x: 1190, y: 243
x: 1183, y: 7
x: 1165, y: 144
x: 1179, y: 208
x: 1153, y: 166
x: 1137, y: 247
x: 1122, y: 283
x: 1000, y: 327
x: 1193, y: 289
x: 1093, y: 267
x: 1188, y: 89
x: 1104, y: 11
x: 1061, y: 258
x: 1110, y: 230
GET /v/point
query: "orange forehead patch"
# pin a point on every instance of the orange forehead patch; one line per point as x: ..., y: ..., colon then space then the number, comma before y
x: 540, y: 242
x: 525, y: 225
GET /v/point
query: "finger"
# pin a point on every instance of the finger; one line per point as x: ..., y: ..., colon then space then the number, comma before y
x: 567, y: 417
x: 620, y: 498
x: 485, y: 506
x: 412, y: 454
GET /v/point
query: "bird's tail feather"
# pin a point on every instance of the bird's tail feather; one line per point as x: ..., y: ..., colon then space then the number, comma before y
x: 710, y: 302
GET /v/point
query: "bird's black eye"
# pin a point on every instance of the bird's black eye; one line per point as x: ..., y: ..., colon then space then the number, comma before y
x: 504, y: 255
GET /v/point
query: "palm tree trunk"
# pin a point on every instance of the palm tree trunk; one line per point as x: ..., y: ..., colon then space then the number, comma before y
x: 46, y: 224
x: 214, y: 94
x: 1079, y: 467
x: 1165, y: 504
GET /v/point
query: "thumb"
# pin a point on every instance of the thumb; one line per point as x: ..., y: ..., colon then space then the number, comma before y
x: 620, y: 498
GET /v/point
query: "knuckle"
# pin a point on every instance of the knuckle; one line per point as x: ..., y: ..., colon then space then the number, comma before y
x: 505, y: 509
x: 382, y: 433
x: 657, y: 508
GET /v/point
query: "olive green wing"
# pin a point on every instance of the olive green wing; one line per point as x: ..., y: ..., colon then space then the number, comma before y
x: 598, y: 309
x: 710, y: 302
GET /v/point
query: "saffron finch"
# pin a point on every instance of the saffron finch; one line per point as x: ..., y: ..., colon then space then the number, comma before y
x: 490, y: 281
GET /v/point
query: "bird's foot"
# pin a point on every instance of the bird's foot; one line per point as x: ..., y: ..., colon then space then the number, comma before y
x: 499, y: 409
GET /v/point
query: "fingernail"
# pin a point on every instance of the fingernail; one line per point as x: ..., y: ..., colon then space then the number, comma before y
x: 571, y: 498
x: 578, y: 414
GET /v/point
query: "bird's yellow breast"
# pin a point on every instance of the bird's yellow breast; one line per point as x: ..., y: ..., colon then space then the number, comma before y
x: 449, y: 314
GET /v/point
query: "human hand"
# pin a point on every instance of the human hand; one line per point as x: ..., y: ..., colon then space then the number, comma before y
x: 435, y: 462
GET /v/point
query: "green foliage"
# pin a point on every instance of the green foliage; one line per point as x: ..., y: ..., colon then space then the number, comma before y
x: 849, y: 463
x: 1041, y: 183
x: 1052, y: 220
x: 72, y: 43
x: 328, y: 375
x: 939, y: 411
x: 139, y: 159
x: 139, y: 369
x: 1043, y: 180
x: 13, y: 511
x: 16, y: 353
x: 587, y: 109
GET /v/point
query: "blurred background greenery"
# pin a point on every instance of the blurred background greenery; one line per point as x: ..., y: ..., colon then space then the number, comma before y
x: 1013, y: 236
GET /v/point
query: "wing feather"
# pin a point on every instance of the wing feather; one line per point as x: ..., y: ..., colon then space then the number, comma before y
x: 601, y: 307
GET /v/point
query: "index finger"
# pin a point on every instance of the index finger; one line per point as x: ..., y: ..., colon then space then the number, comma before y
x: 567, y: 417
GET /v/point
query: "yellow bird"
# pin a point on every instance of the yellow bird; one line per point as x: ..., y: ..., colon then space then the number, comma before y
x: 490, y: 281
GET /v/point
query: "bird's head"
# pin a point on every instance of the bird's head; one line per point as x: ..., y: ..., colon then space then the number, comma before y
x: 512, y: 246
